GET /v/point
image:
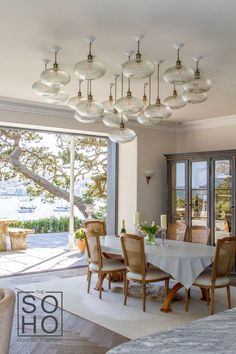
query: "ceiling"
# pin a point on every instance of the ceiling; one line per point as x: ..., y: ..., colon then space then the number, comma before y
x: 31, y: 27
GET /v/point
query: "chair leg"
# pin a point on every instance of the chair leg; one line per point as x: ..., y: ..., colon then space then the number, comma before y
x: 186, y: 299
x: 229, y: 297
x: 109, y: 281
x: 89, y: 280
x: 208, y: 296
x: 124, y: 279
x: 167, y: 285
x: 144, y: 297
x: 100, y: 285
x: 126, y: 290
x: 212, y: 300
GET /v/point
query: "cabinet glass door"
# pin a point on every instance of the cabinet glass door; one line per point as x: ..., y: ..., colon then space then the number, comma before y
x: 178, y: 192
x: 222, y: 198
x: 199, y: 194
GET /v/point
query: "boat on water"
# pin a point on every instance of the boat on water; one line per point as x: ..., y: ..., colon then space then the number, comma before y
x: 61, y: 207
x: 26, y: 207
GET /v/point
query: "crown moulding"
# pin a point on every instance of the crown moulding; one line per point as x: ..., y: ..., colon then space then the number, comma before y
x: 17, y: 105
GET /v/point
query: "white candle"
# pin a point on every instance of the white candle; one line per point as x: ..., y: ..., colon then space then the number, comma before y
x: 163, y: 221
x: 136, y: 218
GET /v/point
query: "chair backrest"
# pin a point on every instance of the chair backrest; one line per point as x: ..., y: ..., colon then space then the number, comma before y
x: 97, y: 226
x: 199, y: 234
x: 133, y: 251
x: 177, y: 232
x: 93, y: 246
x: 224, y: 257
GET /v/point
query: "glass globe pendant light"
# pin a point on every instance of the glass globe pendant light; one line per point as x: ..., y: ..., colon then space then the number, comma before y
x: 109, y: 104
x: 89, y: 69
x: 138, y: 68
x: 122, y: 135
x: 55, y: 76
x: 178, y: 74
x: 113, y: 119
x: 73, y: 101
x: 89, y: 108
x: 158, y: 110
x: 195, y: 98
x: 42, y: 89
x: 128, y: 104
x: 175, y: 101
x: 59, y: 97
x: 199, y: 84
x: 83, y: 119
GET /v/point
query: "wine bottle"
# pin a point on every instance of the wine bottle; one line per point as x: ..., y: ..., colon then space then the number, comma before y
x: 123, y: 229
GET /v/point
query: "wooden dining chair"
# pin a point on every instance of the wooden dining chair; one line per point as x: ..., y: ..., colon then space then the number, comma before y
x: 98, y: 264
x: 177, y: 232
x: 219, y: 276
x: 136, y: 266
x: 96, y: 226
x: 199, y: 234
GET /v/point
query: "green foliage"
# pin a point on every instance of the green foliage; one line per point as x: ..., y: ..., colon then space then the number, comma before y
x: 149, y: 229
x: 48, y: 225
x: 80, y: 234
x: 100, y: 213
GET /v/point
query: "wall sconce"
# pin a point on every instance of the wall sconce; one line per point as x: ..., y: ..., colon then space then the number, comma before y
x: 148, y: 175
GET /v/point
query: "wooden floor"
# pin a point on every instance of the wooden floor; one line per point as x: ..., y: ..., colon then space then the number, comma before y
x: 79, y: 335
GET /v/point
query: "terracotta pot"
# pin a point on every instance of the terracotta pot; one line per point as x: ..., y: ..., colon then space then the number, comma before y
x: 81, y: 245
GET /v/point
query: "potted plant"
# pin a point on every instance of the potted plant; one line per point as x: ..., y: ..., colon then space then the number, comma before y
x: 80, y: 237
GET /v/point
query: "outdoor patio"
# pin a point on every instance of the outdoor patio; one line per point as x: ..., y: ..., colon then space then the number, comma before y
x: 45, y: 252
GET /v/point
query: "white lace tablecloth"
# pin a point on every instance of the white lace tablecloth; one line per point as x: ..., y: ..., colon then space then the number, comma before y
x: 183, y: 260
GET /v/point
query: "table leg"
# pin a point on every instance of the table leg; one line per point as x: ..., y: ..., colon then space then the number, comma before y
x: 171, y: 294
x: 99, y: 282
x: 204, y: 294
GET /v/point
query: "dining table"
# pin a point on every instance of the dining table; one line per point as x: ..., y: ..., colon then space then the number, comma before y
x: 4, y: 223
x: 184, y: 261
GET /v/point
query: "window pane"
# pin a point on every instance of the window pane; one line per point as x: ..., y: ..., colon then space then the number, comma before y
x: 178, y: 175
x: 199, y: 175
x: 222, y: 198
x: 178, y: 205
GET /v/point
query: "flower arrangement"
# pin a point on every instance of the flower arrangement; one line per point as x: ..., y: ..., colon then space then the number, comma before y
x: 150, y: 230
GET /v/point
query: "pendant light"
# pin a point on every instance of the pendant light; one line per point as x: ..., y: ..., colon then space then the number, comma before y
x: 85, y: 120
x: 158, y: 110
x: 142, y: 119
x: 42, y: 89
x: 175, y: 101
x: 55, y: 76
x: 89, y: 69
x: 178, y: 74
x: 113, y: 119
x: 109, y: 104
x: 199, y: 84
x: 73, y: 101
x: 195, y: 98
x: 138, y: 68
x: 59, y: 97
x: 122, y: 135
x: 129, y: 104
x: 89, y: 107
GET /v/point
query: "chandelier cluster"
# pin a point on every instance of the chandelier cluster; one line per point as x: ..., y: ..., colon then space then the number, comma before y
x: 115, y: 112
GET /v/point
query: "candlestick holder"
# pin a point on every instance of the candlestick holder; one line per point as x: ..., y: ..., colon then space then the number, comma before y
x: 163, y: 237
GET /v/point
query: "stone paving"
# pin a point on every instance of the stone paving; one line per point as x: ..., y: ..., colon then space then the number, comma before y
x: 44, y: 252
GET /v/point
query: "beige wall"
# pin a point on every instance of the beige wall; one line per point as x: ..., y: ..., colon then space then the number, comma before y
x: 220, y: 138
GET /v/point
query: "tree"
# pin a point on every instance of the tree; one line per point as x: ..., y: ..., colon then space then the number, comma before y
x: 44, y: 171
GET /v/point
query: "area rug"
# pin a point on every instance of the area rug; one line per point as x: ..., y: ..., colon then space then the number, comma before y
x: 130, y: 320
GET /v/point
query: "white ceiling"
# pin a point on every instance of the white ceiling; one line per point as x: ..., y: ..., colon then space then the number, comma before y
x: 30, y: 27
